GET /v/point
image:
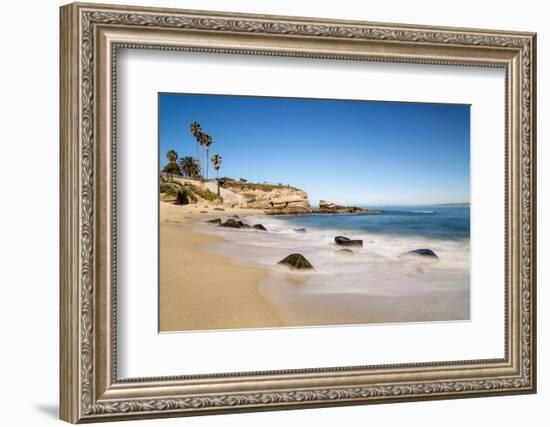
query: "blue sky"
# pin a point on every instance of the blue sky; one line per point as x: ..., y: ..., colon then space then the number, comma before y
x: 350, y: 152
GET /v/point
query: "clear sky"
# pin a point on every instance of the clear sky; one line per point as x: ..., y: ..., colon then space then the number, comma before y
x: 349, y: 152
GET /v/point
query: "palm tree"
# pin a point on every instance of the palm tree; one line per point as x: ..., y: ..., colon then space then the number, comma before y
x: 195, y: 129
x: 190, y: 167
x: 172, y: 156
x: 217, y: 162
x: 206, y: 141
x: 171, y: 167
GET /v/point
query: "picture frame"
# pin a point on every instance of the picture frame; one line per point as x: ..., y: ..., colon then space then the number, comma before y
x: 91, y: 35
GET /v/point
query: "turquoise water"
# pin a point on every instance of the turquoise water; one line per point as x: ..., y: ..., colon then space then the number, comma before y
x: 433, y: 222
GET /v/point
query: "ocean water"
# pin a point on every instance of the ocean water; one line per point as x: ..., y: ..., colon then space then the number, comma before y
x: 432, y: 222
x: 340, y: 287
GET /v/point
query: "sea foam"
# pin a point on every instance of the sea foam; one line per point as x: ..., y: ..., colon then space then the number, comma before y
x: 374, y: 269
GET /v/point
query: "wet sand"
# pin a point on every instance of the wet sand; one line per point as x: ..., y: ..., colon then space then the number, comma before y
x: 300, y: 307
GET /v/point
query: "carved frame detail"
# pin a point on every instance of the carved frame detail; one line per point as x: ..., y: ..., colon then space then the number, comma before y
x: 81, y: 398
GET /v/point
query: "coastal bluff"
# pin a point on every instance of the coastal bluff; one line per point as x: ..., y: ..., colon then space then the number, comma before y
x: 272, y: 199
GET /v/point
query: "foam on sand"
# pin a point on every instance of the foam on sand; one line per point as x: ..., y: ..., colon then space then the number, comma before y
x: 371, y: 286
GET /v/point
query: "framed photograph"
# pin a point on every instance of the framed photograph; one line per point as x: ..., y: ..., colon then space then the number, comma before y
x: 265, y: 212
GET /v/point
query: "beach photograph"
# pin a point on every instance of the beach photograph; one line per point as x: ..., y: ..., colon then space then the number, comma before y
x: 292, y: 212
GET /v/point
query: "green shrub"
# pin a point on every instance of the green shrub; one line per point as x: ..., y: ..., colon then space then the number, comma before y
x: 254, y: 186
x: 172, y: 168
x: 170, y: 188
x: 206, y: 194
x: 209, y: 195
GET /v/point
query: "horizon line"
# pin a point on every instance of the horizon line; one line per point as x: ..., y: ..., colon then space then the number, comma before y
x: 375, y: 204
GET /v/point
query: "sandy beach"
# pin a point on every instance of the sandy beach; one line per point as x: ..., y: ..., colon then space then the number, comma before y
x: 219, y: 278
x: 201, y: 290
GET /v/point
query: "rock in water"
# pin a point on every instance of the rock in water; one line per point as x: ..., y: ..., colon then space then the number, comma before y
x: 428, y: 253
x: 300, y: 230
x: 326, y: 204
x: 232, y: 223
x: 345, y: 252
x: 259, y: 227
x: 328, y: 207
x: 215, y: 221
x: 344, y: 241
x: 297, y: 261
x: 341, y: 239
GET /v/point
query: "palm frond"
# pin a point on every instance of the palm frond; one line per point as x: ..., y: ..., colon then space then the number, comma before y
x: 172, y: 156
x: 195, y: 128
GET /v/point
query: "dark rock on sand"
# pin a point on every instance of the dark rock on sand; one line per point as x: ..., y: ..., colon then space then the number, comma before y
x: 259, y: 227
x: 232, y: 223
x: 300, y: 230
x: 215, y: 221
x: 344, y: 252
x: 297, y: 261
x: 427, y: 253
x: 344, y: 241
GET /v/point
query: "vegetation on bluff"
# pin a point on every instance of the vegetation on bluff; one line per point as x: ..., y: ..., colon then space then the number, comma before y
x: 245, y: 185
x: 192, y: 167
x: 184, y: 193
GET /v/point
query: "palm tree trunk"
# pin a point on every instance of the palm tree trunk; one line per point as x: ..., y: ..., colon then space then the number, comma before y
x: 198, y: 155
x: 207, y: 164
x: 218, y: 180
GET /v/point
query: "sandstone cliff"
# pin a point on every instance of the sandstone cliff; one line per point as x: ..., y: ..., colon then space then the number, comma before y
x: 273, y: 199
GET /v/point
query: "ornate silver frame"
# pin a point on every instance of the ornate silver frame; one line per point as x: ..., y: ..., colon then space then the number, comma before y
x: 90, y: 36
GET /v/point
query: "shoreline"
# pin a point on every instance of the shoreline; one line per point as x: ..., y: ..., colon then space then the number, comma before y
x: 200, y: 290
x: 372, y: 287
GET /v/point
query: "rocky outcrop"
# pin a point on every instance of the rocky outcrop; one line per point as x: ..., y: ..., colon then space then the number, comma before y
x: 300, y: 230
x: 281, y: 201
x: 345, y: 241
x: 328, y: 207
x: 296, y: 261
x: 272, y: 199
x: 423, y: 253
x: 325, y: 204
x: 233, y: 223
